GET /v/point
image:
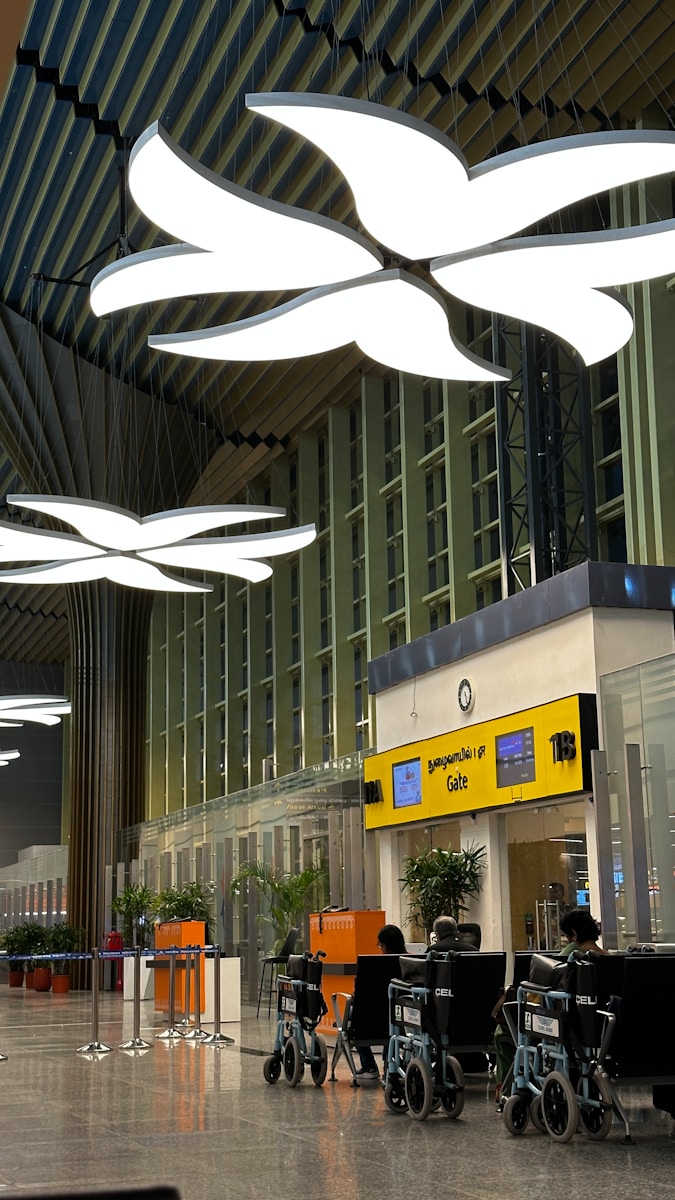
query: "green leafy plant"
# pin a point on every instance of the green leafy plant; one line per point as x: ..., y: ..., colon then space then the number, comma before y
x: 190, y: 902
x: 439, y: 881
x: 28, y: 938
x: 286, y: 894
x: 15, y: 942
x: 36, y: 941
x: 136, y: 905
x: 64, y: 939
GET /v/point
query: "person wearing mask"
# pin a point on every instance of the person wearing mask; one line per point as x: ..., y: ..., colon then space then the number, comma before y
x: 390, y: 940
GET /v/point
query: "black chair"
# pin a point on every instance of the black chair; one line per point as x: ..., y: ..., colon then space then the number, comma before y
x: 471, y: 932
x: 274, y: 961
x: 477, y: 980
x: 362, y: 1018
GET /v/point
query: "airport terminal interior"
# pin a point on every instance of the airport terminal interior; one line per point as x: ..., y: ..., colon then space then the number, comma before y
x: 336, y: 534
x: 204, y: 1121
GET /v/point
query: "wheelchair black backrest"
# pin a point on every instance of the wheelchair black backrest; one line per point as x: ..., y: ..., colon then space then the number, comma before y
x: 296, y: 967
x: 370, y: 1011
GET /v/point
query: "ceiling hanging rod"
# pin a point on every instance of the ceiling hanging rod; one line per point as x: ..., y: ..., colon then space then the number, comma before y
x: 121, y: 241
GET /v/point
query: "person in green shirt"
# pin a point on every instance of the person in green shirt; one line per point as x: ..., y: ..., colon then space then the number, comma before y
x: 581, y: 930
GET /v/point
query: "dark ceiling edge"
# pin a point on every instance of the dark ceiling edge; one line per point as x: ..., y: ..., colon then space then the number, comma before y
x: 589, y: 585
x: 383, y: 60
x: 69, y: 92
x: 27, y: 57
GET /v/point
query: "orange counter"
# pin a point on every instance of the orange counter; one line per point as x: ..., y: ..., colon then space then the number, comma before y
x: 343, y: 936
x: 168, y: 935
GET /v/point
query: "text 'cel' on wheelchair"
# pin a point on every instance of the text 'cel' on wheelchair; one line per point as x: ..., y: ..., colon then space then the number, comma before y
x: 300, y: 1007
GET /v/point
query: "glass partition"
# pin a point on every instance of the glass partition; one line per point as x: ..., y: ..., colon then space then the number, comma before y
x: 638, y: 708
x: 548, y: 871
x: 35, y: 889
x: 314, y: 816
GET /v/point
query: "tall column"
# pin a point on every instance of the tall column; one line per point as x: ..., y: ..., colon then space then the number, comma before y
x: 109, y: 636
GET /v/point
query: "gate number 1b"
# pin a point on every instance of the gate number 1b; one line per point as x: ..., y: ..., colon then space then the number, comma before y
x: 564, y: 745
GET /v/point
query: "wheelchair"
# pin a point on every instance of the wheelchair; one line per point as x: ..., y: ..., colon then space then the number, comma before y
x: 556, y: 1081
x: 421, y: 1074
x: 300, y: 1007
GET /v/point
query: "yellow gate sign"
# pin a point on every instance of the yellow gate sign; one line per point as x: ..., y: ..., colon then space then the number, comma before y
x: 535, y: 754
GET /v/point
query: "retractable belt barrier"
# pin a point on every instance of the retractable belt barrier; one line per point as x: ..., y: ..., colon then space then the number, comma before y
x: 192, y: 1029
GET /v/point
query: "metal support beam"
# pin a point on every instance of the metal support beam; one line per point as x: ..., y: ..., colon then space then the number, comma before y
x: 603, y: 828
x: 637, y: 840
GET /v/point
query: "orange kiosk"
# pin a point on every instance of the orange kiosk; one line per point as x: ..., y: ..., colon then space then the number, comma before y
x: 175, y: 934
x: 343, y: 936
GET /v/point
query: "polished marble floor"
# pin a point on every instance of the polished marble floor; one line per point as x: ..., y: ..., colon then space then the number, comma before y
x: 204, y: 1120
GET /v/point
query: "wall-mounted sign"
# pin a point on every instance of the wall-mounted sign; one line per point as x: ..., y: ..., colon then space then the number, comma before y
x: 536, y: 754
x: 406, y: 780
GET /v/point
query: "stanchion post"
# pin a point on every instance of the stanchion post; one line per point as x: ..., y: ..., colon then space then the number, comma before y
x: 186, y: 1021
x: 171, y: 1032
x: 136, y: 1042
x: 94, y: 1046
x: 197, y: 1034
x: 217, y: 1038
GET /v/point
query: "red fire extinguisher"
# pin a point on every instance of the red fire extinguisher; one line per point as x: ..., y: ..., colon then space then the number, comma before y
x: 113, y: 941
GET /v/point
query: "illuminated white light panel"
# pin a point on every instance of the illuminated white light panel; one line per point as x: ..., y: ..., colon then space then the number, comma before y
x: 393, y: 317
x: 416, y: 195
x: 231, y: 239
x: 6, y: 756
x: 117, y: 545
x: 44, y: 710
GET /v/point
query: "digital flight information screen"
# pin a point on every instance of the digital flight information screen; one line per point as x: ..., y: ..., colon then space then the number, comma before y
x: 515, y: 757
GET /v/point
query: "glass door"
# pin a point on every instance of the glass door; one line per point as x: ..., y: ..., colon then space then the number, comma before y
x: 548, y: 872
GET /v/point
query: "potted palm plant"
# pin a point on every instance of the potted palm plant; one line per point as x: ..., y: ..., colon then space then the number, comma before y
x: 135, y: 905
x: 438, y: 882
x: 286, y: 894
x: 63, y: 939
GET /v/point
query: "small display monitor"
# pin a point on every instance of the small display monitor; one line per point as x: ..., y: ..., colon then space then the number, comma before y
x: 407, y: 783
x: 515, y: 757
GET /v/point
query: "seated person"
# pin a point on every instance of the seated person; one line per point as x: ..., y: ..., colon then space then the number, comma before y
x: 581, y: 931
x: 390, y: 940
x: 445, y: 937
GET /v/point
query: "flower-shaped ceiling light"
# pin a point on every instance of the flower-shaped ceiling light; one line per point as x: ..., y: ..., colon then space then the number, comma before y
x: 416, y: 194
x: 44, y: 710
x: 117, y: 545
x: 6, y: 756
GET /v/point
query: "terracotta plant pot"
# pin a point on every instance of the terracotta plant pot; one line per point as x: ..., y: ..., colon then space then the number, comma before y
x: 30, y: 979
x: 16, y: 978
x: 42, y: 979
x: 60, y: 983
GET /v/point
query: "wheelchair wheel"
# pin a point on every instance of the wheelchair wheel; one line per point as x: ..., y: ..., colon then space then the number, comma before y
x: 293, y: 1062
x: 319, y: 1066
x: 419, y: 1089
x: 394, y: 1096
x: 272, y: 1068
x: 559, y: 1106
x: 596, y: 1122
x: 536, y: 1115
x: 452, y: 1096
x: 515, y: 1114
